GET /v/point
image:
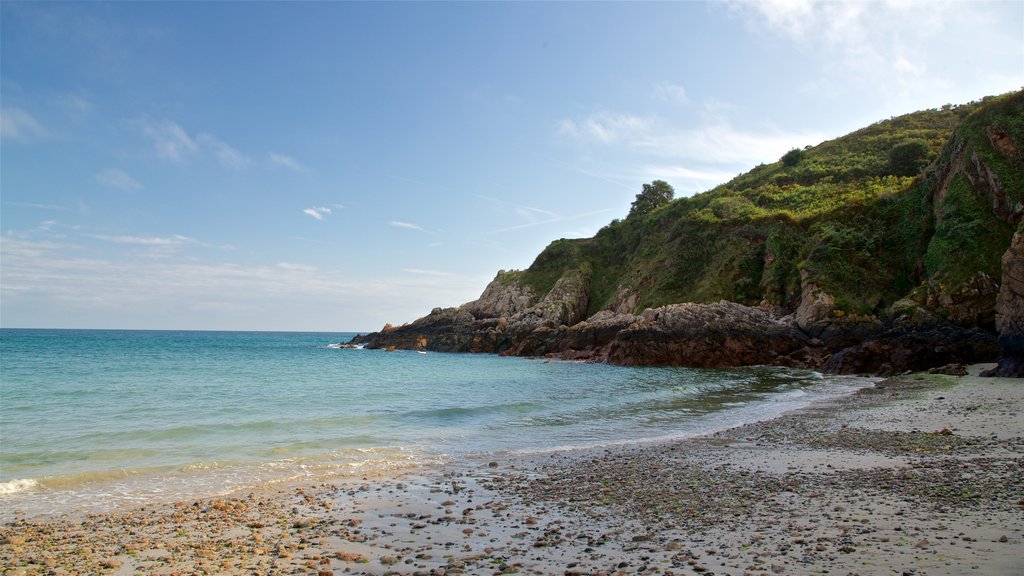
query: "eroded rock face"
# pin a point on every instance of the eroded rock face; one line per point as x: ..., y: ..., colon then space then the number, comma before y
x: 972, y: 304
x: 624, y: 302
x: 502, y: 298
x: 815, y: 311
x: 707, y: 335
x: 818, y: 319
x: 1010, y: 310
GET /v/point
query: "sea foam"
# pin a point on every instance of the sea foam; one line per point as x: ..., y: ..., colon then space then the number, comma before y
x: 17, y: 485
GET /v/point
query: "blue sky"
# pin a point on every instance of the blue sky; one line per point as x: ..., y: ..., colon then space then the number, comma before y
x: 335, y: 166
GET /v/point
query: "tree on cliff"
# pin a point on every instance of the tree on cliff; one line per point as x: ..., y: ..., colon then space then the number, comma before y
x: 652, y: 196
x: 907, y: 158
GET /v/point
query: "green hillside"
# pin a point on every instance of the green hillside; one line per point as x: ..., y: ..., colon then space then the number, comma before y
x: 906, y: 206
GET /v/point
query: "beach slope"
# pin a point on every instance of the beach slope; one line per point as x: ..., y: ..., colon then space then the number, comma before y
x: 922, y: 474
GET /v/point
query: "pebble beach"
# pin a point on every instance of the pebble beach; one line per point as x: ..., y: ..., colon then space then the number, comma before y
x: 921, y: 475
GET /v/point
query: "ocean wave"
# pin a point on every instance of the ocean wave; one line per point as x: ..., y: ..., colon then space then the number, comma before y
x: 18, y: 485
x: 460, y: 412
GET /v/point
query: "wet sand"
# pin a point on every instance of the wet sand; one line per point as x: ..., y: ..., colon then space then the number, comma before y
x: 920, y: 475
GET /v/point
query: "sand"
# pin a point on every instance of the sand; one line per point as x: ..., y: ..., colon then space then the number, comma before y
x: 920, y: 475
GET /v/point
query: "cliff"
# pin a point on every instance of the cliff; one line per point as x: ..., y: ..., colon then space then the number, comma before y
x: 884, y: 250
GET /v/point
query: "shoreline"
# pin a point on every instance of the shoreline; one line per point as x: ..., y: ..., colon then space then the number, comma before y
x: 921, y: 474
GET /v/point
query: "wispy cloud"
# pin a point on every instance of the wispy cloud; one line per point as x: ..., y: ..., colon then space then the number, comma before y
x: 284, y: 161
x: 17, y: 124
x: 406, y: 225
x: 552, y: 220
x: 423, y: 272
x: 672, y: 93
x: 75, y: 105
x: 119, y: 179
x: 173, y: 143
x: 47, y: 283
x: 170, y: 140
x: 176, y: 240
x: 39, y: 206
x: 894, y: 47
x: 716, y: 141
x: 317, y: 212
x: 529, y: 213
x: 226, y: 155
x: 605, y: 127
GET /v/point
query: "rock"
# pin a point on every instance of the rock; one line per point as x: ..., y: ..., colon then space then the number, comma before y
x: 624, y: 302
x: 950, y: 370
x: 815, y: 311
x: 706, y: 335
x: 971, y: 304
x: 1010, y: 310
x: 914, y: 348
x: 502, y: 298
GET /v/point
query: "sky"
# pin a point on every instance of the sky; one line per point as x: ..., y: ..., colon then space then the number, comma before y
x: 333, y: 166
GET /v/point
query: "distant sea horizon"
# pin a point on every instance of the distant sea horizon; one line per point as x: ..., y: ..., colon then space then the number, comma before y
x: 93, y: 419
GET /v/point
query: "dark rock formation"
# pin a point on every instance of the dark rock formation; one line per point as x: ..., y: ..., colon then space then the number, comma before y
x: 1010, y: 310
x: 707, y: 335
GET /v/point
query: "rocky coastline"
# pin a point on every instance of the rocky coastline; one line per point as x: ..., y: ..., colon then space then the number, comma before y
x: 889, y: 272
x: 721, y: 334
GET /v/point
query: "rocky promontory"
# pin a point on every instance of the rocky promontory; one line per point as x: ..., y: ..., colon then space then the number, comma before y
x: 712, y: 335
x: 897, y: 247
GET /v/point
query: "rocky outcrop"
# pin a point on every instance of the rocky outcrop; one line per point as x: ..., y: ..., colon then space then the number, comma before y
x: 707, y: 335
x: 1010, y: 310
x: 624, y: 302
x: 502, y: 298
x: 818, y: 317
x: 905, y: 349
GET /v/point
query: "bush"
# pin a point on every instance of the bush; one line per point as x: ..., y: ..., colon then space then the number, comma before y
x: 793, y: 157
x: 908, y: 158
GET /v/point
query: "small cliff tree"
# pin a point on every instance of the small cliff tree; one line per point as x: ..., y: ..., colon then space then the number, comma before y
x: 908, y: 158
x: 652, y: 196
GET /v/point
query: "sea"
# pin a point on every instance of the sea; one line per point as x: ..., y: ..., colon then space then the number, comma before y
x: 98, y: 420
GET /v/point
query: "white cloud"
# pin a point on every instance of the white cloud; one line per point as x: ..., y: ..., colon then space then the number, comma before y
x: 903, y: 53
x: 49, y: 284
x: 672, y: 93
x: 39, y: 206
x: 173, y: 143
x: 556, y: 218
x: 176, y: 240
x: 675, y: 172
x: 75, y: 105
x: 117, y: 179
x: 721, y: 143
x: 285, y: 161
x: 715, y: 142
x: 227, y: 156
x: 529, y: 213
x: 605, y: 127
x: 170, y: 140
x: 406, y: 225
x: 423, y: 272
x: 317, y: 212
x: 17, y: 124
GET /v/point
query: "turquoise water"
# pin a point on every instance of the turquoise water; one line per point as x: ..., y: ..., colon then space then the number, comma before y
x: 94, y: 419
